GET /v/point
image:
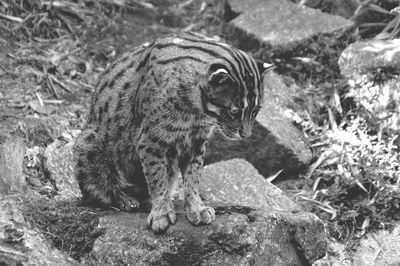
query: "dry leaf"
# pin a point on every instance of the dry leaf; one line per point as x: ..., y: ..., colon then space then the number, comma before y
x: 42, y: 109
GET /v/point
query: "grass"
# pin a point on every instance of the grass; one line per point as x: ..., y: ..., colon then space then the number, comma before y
x: 68, y: 227
x: 354, y: 183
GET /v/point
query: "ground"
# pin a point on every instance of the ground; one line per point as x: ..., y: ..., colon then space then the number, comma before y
x: 50, y: 64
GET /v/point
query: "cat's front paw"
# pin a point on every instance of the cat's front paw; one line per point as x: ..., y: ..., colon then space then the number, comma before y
x: 160, y: 218
x: 204, y: 215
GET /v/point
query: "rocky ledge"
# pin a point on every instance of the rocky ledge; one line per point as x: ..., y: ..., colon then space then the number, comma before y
x: 256, y: 224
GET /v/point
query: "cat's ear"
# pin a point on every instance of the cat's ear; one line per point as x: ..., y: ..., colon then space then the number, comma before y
x: 218, y: 75
x: 220, y: 89
x: 264, y: 67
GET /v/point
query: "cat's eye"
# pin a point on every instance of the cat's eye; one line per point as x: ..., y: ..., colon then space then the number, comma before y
x: 233, y: 112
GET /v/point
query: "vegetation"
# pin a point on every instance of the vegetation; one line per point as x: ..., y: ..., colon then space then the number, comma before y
x: 53, y: 52
x: 354, y: 184
x: 69, y: 227
x: 378, y: 18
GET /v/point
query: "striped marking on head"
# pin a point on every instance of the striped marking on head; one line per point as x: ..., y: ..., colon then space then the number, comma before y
x: 177, y: 40
x: 248, y: 75
x: 245, y: 102
x: 241, y: 67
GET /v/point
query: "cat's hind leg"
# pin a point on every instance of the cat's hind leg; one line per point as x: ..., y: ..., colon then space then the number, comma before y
x: 100, y: 181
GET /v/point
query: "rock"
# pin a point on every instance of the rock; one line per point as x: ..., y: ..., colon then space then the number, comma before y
x: 275, y: 143
x: 12, y: 150
x: 380, y: 100
x: 344, y: 8
x: 60, y: 164
x: 379, y: 248
x: 372, y: 68
x: 336, y: 255
x: 238, y: 182
x: 235, y: 238
x: 280, y: 25
x: 21, y: 245
x: 276, y: 233
x: 366, y: 57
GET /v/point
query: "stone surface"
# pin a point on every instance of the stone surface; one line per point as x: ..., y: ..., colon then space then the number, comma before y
x: 12, y: 150
x: 343, y: 8
x: 237, y: 237
x: 336, y: 255
x: 372, y: 68
x: 280, y: 24
x: 21, y: 245
x: 363, y: 57
x: 237, y: 182
x: 381, y: 100
x: 275, y: 143
x: 60, y: 164
x: 380, y: 248
x: 276, y: 233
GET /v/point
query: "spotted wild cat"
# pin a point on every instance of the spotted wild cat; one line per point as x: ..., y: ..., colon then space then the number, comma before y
x: 151, y: 115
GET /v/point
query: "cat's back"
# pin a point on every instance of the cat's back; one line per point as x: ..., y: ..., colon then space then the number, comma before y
x: 153, y: 72
x: 164, y: 57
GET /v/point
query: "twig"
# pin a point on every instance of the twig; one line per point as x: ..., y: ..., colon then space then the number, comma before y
x: 62, y: 85
x: 143, y: 4
x: 50, y: 84
x: 185, y: 4
x: 17, y: 27
x: 53, y: 101
x: 80, y: 83
x: 11, y: 18
x: 4, y: 27
x: 6, y: 116
x: 377, y: 253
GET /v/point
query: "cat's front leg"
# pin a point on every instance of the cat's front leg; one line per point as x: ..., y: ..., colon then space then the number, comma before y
x: 155, y: 168
x: 197, y: 212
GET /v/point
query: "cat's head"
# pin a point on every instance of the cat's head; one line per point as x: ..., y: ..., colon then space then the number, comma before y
x: 233, y: 95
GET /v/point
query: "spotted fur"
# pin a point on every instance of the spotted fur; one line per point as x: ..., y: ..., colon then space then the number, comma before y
x: 151, y: 115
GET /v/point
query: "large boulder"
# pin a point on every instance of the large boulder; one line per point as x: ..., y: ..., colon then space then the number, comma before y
x: 279, y: 25
x: 274, y: 233
x: 275, y: 143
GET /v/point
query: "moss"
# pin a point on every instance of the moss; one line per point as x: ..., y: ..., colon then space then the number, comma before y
x: 67, y: 226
